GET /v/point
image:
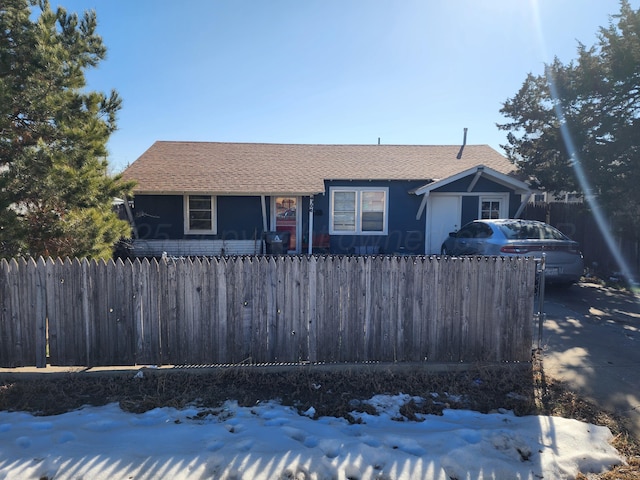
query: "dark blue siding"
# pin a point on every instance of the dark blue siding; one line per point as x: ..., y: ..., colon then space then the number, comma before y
x: 162, y: 217
x: 159, y: 216
x: 405, y: 233
x: 483, y: 185
x: 470, y: 207
x: 239, y: 218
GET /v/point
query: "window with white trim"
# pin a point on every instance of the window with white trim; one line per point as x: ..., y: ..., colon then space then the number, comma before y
x: 200, y: 214
x: 490, y: 208
x: 361, y: 211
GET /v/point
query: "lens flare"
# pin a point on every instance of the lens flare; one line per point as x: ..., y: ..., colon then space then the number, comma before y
x: 585, y: 184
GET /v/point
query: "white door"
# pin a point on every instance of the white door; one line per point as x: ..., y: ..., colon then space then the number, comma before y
x: 443, y: 216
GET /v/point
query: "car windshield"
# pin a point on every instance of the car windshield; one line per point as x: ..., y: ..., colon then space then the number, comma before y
x: 530, y: 231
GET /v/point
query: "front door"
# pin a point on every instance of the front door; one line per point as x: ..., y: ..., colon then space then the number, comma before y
x: 287, y: 219
x: 443, y: 216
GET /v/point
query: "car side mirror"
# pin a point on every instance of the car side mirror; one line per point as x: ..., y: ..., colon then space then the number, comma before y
x: 452, y: 234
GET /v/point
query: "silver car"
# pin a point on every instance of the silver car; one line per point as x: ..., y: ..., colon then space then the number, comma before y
x: 525, y: 238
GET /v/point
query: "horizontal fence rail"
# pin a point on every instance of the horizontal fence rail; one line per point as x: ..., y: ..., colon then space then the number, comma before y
x: 263, y: 309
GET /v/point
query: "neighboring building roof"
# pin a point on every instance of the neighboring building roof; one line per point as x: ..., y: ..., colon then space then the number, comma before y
x: 295, y: 169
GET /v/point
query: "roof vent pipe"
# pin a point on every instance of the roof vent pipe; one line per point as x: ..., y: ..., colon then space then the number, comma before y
x: 464, y: 142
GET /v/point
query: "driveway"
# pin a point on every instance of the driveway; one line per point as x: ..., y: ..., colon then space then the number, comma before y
x: 591, y: 341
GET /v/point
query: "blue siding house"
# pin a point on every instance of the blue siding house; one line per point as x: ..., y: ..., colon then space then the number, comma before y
x: 212, y: 198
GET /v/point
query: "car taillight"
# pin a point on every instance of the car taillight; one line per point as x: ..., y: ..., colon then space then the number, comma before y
x: 516, y: 249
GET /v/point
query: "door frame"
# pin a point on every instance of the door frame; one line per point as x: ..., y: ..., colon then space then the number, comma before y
x: 298, y: 228
x: 429, y: 216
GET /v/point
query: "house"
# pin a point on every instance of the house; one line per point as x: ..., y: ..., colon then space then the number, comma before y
x: 210, y: 198
x: 557, y: 197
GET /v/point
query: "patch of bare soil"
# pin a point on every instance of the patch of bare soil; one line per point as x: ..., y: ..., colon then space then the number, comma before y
x: 331, y: 390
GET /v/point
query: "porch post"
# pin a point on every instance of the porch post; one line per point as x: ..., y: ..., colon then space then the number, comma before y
x: 132, y: 221
x: 525, y: 200
x: 264, y: 213
x: 310, y: 240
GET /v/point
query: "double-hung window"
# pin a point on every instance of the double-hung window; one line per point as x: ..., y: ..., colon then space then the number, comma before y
x: 491, y: 208
x: 199, y: 214
x: 361, y: 211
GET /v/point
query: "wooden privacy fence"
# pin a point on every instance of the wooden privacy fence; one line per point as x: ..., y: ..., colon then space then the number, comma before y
x: 577, y: 221
x: 263, y: 309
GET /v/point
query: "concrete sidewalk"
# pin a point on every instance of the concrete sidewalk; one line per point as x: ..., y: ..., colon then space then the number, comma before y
x: 591, y: 342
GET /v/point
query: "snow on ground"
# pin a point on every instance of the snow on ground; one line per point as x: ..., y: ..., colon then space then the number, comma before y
x: 271, y: 441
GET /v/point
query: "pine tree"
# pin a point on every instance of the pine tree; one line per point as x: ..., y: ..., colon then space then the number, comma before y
x: 585, y: 113
x: 55, y: 194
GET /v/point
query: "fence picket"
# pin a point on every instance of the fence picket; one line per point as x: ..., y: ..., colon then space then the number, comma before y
x: 11, y: 315
x: 197, y: 299
x: 246, y: 310
x: 6, y: 355
x: 376, y: 310
x: 153, y: 290
x: 147, y: 332
x: 333, y: 333
x: 53, y: 313
x: 169, y: 310
x: 101, y: 313
x: 62, y: 325
x: 258, y: 295
x: 235, y: 307
x: 40, y: 297
x: 108, y: 308
x: 32, y: 307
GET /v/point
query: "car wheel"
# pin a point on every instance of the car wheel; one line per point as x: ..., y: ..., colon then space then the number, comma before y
x: 444, y: 251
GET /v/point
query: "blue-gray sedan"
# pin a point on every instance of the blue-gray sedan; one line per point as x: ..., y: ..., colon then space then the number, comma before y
x: 524, y: 238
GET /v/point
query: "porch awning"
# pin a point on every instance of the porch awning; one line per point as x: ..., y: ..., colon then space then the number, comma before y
x: 519, y: 187
x: 478, y: 171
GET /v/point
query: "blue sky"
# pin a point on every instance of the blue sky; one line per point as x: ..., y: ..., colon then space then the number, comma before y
x: 326, y: 71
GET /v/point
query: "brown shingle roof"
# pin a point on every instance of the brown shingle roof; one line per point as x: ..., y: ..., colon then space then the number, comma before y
x: 263, y: 168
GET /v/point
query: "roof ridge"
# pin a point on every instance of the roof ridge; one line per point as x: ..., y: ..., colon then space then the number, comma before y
x: 280, y: 144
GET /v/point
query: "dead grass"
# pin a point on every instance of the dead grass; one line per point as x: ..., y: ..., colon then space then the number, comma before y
x: 336, y: 391
x: 553, y: 398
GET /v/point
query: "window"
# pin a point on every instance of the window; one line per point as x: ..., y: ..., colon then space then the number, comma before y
x: 344, y: 211
x: 199, y: 214
x: 489, y: 209
x: 523, y: 230
x: 475, y: 230
x: 358, y: 211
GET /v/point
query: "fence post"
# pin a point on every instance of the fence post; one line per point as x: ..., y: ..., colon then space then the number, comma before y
x: 541, y: 281
x: 85, y: 288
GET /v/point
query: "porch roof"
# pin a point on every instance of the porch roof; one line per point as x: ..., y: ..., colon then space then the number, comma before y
x: 479, y: 170
x: 295, y: 169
